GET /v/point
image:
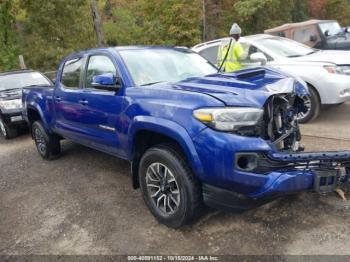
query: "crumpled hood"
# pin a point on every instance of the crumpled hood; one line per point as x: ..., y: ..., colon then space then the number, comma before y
x: 327, y: 56
x: 250, y: 87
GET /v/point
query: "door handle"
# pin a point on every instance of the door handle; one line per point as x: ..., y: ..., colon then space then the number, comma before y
x: 84, y: 102
x: 58, y: 99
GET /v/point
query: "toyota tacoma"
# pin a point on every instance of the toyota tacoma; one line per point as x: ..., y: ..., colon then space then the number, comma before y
x: 193, y: 135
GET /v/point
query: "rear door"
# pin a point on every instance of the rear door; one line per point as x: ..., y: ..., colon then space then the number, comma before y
x: 67, y: 99
x: 102, y: 113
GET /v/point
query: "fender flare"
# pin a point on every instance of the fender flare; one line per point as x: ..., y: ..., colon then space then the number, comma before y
x: 170, y: 129
x: 36, y: 107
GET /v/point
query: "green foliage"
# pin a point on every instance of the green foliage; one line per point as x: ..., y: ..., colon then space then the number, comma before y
x: 53, y: 29
x: 257, y: 15
x: 8, y: 39
x: 338, y: 10
x: 168, y: 22
x: 45, y: 31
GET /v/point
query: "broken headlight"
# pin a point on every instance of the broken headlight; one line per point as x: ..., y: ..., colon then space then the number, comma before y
x: 230, y: 119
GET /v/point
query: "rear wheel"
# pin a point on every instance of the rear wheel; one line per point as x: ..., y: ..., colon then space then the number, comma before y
x: 313, y: 105
x: 48, y: 145
x: 6, y: 131
x: 169, y: 188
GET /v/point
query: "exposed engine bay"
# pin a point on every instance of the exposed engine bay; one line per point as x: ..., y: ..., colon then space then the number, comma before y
x: 282, y: 127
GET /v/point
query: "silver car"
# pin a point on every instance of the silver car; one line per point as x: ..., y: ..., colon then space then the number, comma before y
x: 326, y: 72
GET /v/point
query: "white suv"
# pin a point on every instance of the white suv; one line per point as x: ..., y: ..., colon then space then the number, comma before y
x: 327, y: 73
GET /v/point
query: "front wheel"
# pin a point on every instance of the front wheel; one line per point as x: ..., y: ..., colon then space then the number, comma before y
x: 313, y: 104
x: 168, y: 186
x: 6, y: 131
x: 48, y: 145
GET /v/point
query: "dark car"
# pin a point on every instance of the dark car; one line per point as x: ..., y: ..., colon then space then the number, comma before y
x: 320, y: 34
x: 11, y: 84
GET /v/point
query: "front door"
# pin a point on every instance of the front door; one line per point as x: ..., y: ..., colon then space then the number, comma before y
x: 102, y: 113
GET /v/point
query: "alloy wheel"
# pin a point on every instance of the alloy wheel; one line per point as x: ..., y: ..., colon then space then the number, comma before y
x: 162, y: 188
x: 40, y: 141
x: 3, y: 128
x: 307, y: 104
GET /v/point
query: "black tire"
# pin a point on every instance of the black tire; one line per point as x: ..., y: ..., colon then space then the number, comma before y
x: 6, y: 131
x: 48, y: 145
x: 189, y: 197
x: 315, y: 107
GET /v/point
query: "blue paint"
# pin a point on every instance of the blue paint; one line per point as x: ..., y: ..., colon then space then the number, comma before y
x: 167, y: 108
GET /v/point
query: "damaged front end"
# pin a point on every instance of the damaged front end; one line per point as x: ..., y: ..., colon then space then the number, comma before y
x: 329, y: 169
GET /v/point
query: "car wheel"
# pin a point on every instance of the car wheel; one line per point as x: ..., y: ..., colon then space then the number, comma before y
x: 313, y: 105
x: 6, y: 131
x: 168, y: 186
x: 48, y: 145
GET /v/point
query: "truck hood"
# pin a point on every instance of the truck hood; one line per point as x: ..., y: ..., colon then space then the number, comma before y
x: 250, y: 87
x: 327, y: 56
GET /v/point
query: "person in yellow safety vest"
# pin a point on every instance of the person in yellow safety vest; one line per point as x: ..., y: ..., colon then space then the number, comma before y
x: 231, y: 52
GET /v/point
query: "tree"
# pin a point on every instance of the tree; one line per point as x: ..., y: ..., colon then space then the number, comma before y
x: 9, y: 48
x: 169, y: 22
x: 338, y: 10
x: 53, y: 29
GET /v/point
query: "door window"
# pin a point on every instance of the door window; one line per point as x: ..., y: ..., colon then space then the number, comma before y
x: 304, y: 35
x: 253, y: 49
x: 99, y: 65
x: 71, y: 73
x: 210, y: 53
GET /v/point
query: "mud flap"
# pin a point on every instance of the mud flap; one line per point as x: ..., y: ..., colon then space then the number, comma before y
x: 325, y: 181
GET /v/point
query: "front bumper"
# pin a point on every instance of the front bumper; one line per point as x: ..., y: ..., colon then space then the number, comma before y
x: 334, y: 89
x: 13, y: 118
x: 285, y: 174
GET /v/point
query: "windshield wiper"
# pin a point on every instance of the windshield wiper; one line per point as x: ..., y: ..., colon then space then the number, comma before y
x: 312, y: 52
x: 153, y: 83
x: 291, y: 56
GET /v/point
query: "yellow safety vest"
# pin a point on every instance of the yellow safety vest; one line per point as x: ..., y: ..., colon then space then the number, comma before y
x: 232, y: 62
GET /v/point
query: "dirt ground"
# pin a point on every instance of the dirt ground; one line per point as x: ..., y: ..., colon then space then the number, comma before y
x: 83, y: 203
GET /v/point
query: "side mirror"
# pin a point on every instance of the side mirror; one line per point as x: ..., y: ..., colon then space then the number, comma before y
x: 258, y: 57
x: 326, y: 33
x: 313, y: 38
x: 106, y: 82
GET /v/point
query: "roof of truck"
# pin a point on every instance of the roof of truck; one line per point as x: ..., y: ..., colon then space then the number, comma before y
x: 294, y: 25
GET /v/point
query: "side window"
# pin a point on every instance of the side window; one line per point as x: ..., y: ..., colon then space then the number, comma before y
x: 71, y: 73
x: 303, y: 35
x: 253, y: 49
x: 210, y: 53
x: 99, y: 65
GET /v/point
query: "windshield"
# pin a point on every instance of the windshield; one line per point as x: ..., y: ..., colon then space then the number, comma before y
x: 15, y: 81
x: 285, y: 47
x: 148, y: 66
x: 333, y: 28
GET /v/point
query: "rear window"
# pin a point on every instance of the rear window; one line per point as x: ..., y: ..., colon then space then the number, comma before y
x: 304, y: 35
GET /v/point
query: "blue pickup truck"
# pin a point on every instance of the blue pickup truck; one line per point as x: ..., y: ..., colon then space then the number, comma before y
x: 193, y: 135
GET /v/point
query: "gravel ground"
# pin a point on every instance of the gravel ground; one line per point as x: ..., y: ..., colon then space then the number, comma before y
x: 83, y: 203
